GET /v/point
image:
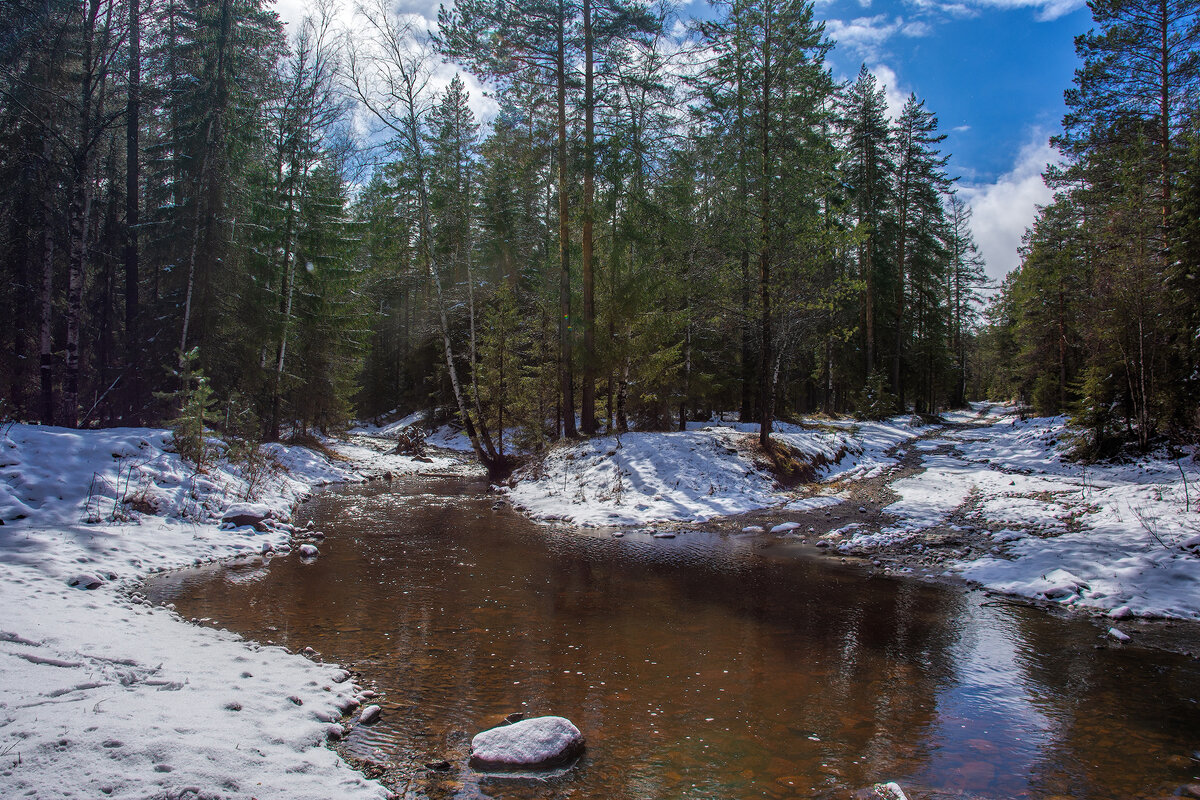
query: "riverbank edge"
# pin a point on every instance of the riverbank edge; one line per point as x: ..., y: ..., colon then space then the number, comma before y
x: 939, y: 553
x: 105, y: 627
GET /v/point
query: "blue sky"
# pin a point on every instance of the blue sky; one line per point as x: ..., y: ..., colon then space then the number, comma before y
x: 994, y: 72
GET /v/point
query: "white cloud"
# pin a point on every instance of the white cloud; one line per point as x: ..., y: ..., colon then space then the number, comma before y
x: 867, y: 35
x: 1001, y: 211
x: 895, y: 94
x: 1045, y: 10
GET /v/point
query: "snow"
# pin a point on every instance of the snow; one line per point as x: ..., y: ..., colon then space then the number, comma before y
x: 103, y: 695
x: 529, y: 743
x: 369, y: 454
x: 1103, y: 537
x: 100, y: 693
x: 708, y: 471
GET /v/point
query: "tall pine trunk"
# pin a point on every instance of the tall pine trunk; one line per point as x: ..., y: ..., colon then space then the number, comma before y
x: 132, y: 203
x: 566, y: 374
x: 589, y: 303
x: 46, y: 295
x: 766, y: 389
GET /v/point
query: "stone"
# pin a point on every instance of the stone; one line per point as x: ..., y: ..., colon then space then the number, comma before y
x: 309, y: 551
x: 253, y: 514
x: 882, y: 791
x: 369, y: 714
x: 537, y: 743
x: 85, y: 580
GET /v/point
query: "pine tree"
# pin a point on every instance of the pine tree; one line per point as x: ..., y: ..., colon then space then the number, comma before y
x: 869, y: 169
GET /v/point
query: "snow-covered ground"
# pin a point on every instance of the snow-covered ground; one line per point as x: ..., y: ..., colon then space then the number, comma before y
x: 708, y: 471
x: 102, y: 695
x: 1123, y: 539
x: 1118, y: 539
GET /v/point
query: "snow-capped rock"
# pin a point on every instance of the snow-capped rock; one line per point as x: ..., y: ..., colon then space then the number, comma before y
x: 534, y: 743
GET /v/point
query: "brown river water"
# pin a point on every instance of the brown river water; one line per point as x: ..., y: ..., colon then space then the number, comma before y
x: 707, y: 666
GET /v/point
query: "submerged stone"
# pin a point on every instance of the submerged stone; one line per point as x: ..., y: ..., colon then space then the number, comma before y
x: 536, y: 743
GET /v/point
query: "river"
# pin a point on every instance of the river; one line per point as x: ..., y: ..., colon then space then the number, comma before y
x: 713, y: 665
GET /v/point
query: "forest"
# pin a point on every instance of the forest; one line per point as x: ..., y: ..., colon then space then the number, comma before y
x: 664, y: 218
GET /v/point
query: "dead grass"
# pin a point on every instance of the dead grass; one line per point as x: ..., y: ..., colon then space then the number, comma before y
x: 313, y: 443
x: 790, y: 466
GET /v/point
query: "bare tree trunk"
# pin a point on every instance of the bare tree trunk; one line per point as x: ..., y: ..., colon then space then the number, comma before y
x: 589, y: 303
x: 196, y: 220
x: 764, y: 257
x: 564, y: 239
x: 80, y: 214
x: 46, y: 332
x: 132, y: 203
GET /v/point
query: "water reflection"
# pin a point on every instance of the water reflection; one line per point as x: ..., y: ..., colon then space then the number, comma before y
x: 699, y: 667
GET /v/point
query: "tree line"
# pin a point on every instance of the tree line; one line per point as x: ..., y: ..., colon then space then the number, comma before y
x: 662, y: 219
x: 1102, y: 318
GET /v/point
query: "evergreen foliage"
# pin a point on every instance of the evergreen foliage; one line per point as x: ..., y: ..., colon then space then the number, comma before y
x: 617, y: 246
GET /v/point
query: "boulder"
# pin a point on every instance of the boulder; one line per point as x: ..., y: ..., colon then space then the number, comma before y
x: 369, y: 714
x: 531, y: 744
x: 881, y: 791
x: 308, y: 551
x: 253, y: 514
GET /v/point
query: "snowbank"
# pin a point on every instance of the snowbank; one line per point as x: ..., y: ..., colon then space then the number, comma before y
x: 1101, y: 537
x: 708, y: 471
x: 102, y: 695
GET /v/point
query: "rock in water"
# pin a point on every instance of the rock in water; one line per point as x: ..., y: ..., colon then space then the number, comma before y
x: 308, y: 551
x: 536, y: 743
x: 889, y: 791
x: 881, y: 791
x: 369, y: 714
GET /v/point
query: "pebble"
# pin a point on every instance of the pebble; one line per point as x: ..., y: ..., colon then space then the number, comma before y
x: 1118, y: 635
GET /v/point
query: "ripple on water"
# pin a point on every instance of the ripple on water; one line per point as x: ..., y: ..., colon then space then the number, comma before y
x: 708, y: 665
